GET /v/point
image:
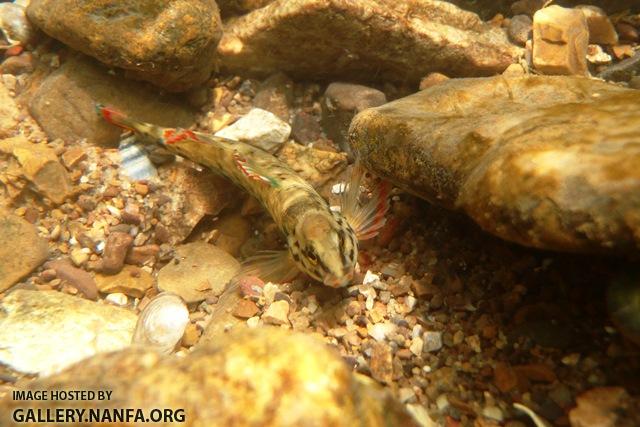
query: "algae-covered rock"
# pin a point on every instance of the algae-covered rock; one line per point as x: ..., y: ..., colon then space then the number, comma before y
x: 265, y: 377
x: 549, y: 162
x: 364, y: 40
x: 170, y: 44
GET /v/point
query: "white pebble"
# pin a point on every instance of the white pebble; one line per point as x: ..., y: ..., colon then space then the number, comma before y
x: 117, y: 298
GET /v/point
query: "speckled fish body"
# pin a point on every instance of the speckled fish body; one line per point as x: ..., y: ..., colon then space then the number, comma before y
x: 321, y: 242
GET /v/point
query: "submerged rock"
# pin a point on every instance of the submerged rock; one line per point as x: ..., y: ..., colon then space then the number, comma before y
x: 39, y: 165
x: 64, y: 105
x: 548, y: 162
x: 21, y: 249
x: 169, y: 44
x: 341, y: 102
x: 265, y: 377
x: 560, y: 41
x: 364, y: 40
x: 200, y: 270
x: 45, y: 331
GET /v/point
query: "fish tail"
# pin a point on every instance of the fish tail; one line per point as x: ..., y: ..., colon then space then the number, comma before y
x: 148, y: 132
x: 115, y: 117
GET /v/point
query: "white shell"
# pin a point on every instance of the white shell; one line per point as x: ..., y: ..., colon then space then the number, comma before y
x: 161, y: 323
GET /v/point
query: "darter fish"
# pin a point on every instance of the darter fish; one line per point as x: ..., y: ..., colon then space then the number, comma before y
x: 321, y: 242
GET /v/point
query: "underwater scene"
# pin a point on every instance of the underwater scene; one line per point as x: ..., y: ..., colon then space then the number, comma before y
x: 320, y: 213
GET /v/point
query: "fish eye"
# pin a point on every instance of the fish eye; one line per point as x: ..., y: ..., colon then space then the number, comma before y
x: 312, y: 257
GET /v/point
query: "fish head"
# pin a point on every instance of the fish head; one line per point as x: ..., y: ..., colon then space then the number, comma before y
x: 325, y: 247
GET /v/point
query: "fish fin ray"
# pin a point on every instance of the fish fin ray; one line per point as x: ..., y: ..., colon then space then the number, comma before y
x: 270, y: 266
x: 366, y: 219
x: 252, y: 171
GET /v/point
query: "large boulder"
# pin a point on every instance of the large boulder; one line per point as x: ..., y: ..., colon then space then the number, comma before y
x: 265, y: 377
x: 64, y: 105
x: 364, y: 40
x: 548, y: 162
x: 170, y: 44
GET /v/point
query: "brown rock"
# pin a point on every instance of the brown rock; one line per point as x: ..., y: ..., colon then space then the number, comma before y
x: 171, y: 45
x: 115, y: 251
x: 9, y: 113
x: 537, y: 372
x: 225, y: 383
x: 39, y: 165
x: 193, y: 194
x: 275, y: 95
x: 315, y: 166
x: 79, y: 279
x: 627, y: 32
x: 440, y: 37
x: 191, y: 335
x: 200, y: 270
x: 604, y: 407
x: 245, y: 309
x: 432, y: 79
x: 21, y: 249
x: 560, y: 41
x: 601, y: 30
x: 72, y: 156
x: 138, y: 255
x: 277, y: 313
x: 130, y: 281
x: 382, y: 363
x: 305, y: 128
x: 239, y: 7
x: 64, y: 105
x: 521, y: 156
x: 234, y: 230
x: 505, y: 377
x: 17, y: 65
x: 519, y: 29
x: 341, y: 102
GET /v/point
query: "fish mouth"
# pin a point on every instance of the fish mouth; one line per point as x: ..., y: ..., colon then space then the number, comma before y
x: 334, y: 281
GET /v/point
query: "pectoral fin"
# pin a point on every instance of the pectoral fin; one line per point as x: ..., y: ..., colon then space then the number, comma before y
x: 366, y: 219
x: 270, y: 266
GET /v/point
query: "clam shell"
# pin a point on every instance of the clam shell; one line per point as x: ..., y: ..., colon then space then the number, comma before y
x: 161, y: 323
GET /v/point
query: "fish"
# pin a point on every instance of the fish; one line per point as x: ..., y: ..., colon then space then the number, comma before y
x: 321, y: 242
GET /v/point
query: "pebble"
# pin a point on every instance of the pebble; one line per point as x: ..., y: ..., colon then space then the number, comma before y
x: 245, y: 309
x: 381, y: 363
x: 432, y: 79
x: 493, y: 412
x: 25, y: 241
x: 259, y: 128
x: 117, y: 298
x: 79, y: 279
x: 253, y: 322
x: 601, y: 30
x: 381, y: 331
x: 275, y: 95
x: 191, y: 335
x: 115, y: 252
x: 341, y: 102
x: 432, y: 341
x: 417, y: 345
x: 519, y: 29
x: 79, y: 256
x: 560, y: 40
x: 202, y: 270
x: 305, y: 128
x: 131, y: 281
x: 277, y: 313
